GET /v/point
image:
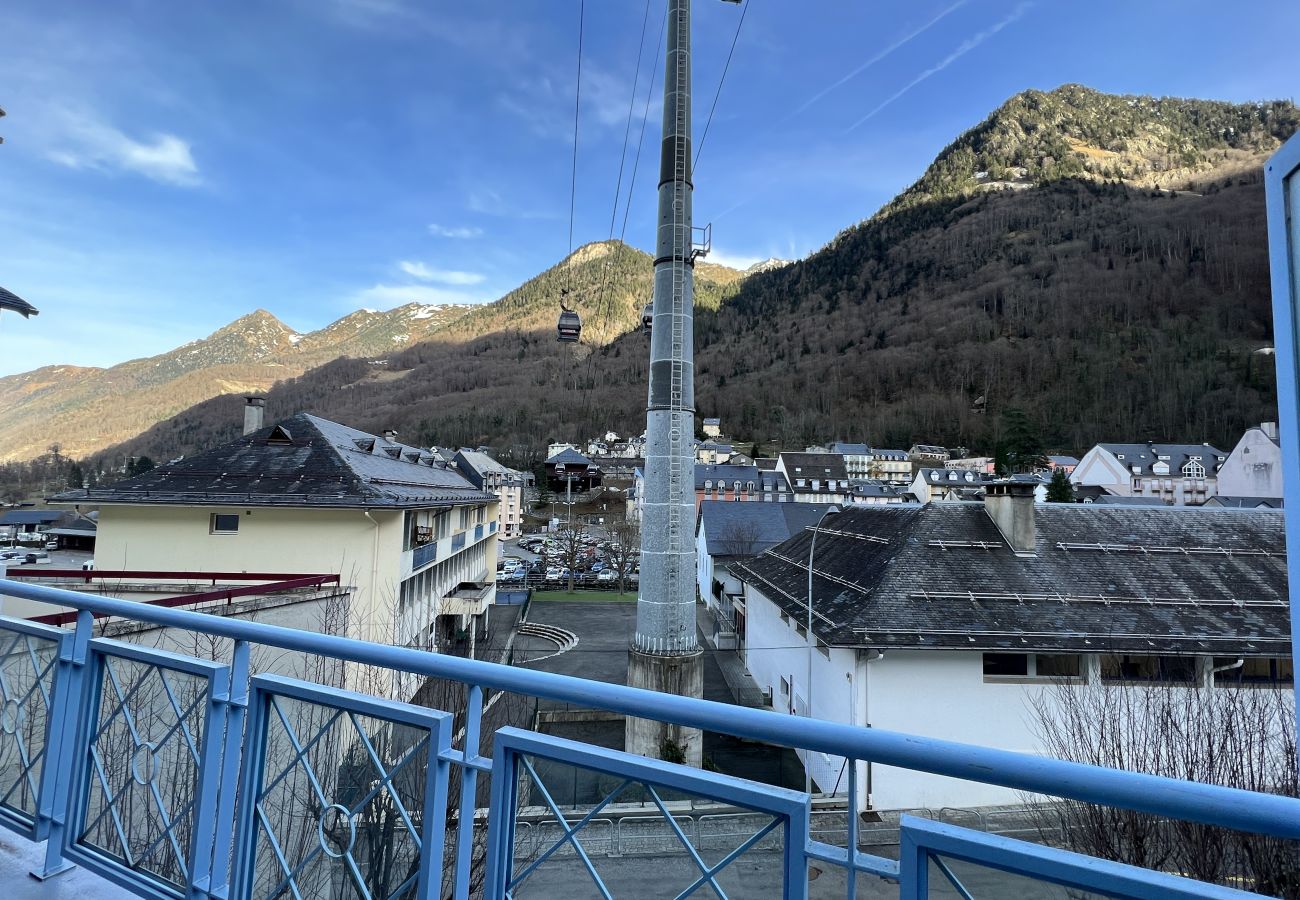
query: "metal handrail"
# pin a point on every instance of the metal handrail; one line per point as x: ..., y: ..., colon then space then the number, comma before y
x: 1228, y: 807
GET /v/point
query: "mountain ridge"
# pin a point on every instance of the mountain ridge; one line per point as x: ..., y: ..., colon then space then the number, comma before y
x: 1095, y: 299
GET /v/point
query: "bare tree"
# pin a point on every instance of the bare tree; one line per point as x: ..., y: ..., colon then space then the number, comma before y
x: 572, y: 551
x: 741, y: 537
x: 624, y: 553
x: 1235, y: 736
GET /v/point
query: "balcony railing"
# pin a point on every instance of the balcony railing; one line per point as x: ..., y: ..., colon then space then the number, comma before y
x: 424, y: 554
x: 478, y: 533
x: 175, y: 776
x: 458, y: 542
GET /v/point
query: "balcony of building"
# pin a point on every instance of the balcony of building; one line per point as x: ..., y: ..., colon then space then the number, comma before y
x: 178, y: 774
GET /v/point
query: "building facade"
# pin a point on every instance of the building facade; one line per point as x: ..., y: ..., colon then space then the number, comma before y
x: 415, y: 541
x: 1254, y: 467
x: 486, y: 474
x: 1174, y: 474
x: 953, y: 620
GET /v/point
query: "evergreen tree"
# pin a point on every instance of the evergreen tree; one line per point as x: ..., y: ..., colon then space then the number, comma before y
x: 1060, y: 490
x: 76, y: 478
x: 1021, y: 448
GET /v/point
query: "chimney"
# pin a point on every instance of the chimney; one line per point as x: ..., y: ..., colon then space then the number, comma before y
x: 1010, y: 504
x: 254, y: 410
x: 1269, y: 429
x: 391, y: 436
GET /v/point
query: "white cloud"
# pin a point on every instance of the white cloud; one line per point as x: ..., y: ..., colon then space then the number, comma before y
x: 388, y: 296
x: 443, y: 276
x: 966, y: 46
x: 81, y: 140
x: 460, y: 232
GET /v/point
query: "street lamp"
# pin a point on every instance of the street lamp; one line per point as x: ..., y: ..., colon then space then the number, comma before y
x: 812, y: 640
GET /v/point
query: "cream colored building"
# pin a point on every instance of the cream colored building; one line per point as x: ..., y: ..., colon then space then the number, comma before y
x: 508, y: 484
x: 416, y: 541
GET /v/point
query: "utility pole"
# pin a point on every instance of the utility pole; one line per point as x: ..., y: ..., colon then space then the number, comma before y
x: 665, y: 655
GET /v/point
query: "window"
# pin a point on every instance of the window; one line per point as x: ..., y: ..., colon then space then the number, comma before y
x: 803, y: 632
x: 785, y: 618
x: 1013, y: 664
x: 1194, y: 470
x: 1148, y: 668
x: 1062, y: 665
x: 224, y: 523
x: 1259, y: 670
x: 1033, y: 665
x: 785, y: 687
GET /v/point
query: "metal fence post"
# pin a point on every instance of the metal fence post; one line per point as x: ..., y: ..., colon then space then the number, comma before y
x: 69, y: 716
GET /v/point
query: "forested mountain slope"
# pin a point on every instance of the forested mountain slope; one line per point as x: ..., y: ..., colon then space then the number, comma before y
x: 1124, y: 300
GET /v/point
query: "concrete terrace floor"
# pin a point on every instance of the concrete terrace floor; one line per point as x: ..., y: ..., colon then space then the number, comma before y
x: 18, y: 857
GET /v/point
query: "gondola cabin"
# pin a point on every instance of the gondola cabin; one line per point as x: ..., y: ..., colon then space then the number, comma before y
x: 569, y: 328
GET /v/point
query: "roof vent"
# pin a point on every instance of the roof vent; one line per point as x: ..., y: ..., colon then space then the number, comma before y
x: 365, y: 446
x: 394, y: 452
x: 279, y: 435
x: 412, y: 456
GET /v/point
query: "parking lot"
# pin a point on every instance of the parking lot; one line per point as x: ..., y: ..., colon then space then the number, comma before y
x: 55, y: 559
x: 545, y: 564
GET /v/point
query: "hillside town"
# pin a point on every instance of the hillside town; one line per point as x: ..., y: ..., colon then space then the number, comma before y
x: 882, y: 492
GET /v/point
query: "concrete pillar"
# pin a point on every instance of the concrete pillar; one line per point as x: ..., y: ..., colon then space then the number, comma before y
x: 682, y: 675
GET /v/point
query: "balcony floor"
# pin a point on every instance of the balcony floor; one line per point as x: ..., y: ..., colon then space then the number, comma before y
x: 18, y: 857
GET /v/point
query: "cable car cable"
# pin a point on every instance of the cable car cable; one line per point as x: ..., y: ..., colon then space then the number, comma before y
x: 699, y: 148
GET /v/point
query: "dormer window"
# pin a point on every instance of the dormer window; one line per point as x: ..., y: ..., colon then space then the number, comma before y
x: 708, y: 485
x: 279, y: 435
x: 1194, y: 470
x: 1119, y: 456
x: 366, y: 446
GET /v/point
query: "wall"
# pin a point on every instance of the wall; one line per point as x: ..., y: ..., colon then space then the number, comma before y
x: 774, y: 650
x: 310, y: 541
x: 1253, y: 468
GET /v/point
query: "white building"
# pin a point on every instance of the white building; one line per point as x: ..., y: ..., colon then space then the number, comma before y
x: 1175, y: 474
x: 726, y: 532
x: 1254, y: 467
x: 949, y: 620
x: 415, y: 541
x: 486, y: 474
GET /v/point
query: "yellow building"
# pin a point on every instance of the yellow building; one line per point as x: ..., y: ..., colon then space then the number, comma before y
x: 416, y: 541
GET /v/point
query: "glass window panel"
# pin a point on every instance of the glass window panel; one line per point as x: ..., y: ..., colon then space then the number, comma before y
x: 1006, y: 664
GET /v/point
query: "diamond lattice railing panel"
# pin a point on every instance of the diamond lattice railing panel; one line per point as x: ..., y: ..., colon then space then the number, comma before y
x: 143, y: 766
x: 346, y: 797
x: 27, y: 666
x: 581, y: 815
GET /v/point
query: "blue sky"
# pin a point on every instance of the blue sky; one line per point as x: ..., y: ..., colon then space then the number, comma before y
x: 168, y: 167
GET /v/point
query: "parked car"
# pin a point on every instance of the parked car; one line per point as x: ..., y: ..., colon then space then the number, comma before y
x: 51, y: 545
x: 12, y: 554
x: 607, y: 575
x: 36, y: 559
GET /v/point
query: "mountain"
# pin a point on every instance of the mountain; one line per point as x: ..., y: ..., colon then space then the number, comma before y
x: 87, y: 409
x: 1124, y: 301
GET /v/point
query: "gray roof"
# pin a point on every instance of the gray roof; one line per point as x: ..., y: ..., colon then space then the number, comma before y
x: 850, y: 449
x: 815, y: 465
x: 1063, y: 460
x: 30, y: 516
x: 749, y: 528
x: 1146, y: 455
x: 304, y: 461
x: 1245, y: 502
x: 568, y: 456
x: 956, y: 477
x: 723, y: 472
x: 867, y: 487
x: 1103, y: 579
x: 481, y: 464
x: 1115, y: 500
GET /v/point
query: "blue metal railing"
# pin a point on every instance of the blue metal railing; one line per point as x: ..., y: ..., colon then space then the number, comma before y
x: 478, y: 533
x: 458, y: 542
x: 424, y: 554
x: 150, y: 746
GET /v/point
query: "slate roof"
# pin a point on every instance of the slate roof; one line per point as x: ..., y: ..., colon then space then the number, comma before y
x: 30, y: 516
x: 815, y: 465
x: 1146, y: 455
x: 1104, y: 579
x: 568, y: 457
x: 1063, y: 460
x: 303, y: 461
x: 747, y: 529
x: 850, y: 449
x: 724, y: 472
x: 1245, y: 502
x: 956, y: 477
x: 482, y: 464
